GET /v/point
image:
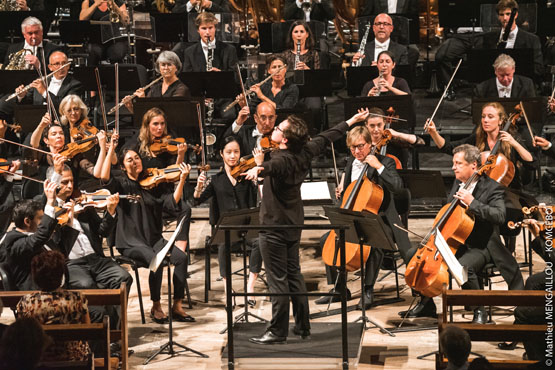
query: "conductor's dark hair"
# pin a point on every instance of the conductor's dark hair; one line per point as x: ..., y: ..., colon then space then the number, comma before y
x: 296, y: 133
x: 26, y: 208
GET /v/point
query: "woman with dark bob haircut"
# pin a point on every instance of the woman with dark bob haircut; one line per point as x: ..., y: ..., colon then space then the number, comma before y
x: 54, y: 305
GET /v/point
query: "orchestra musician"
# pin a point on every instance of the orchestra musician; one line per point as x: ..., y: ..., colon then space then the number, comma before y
x: 308, y: 10
x: 100, y: 10
x: 386, y: 83
x: 505, y: 84
x: 381, y: 171
x: 168, y: 65
x: 7, y: 199
x: 60, y: 85
x: 485, y: 200
x: 227, y: 194
x: 277, y: 91
x: 283, y: 175
x: 140, y: 225
x: 197, y: 6
x: 382, y: 28
x: 300, y: 32
x: 485, y: 137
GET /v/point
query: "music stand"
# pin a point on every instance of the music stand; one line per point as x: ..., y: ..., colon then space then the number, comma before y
x: 313, y: 83
x: 244, y: 217
x: 273, y: 35
x: 210, y: 84
x: 169, y: 27
x: 12, y: 79
x: 181, y: 115
x: 365, y: 228
x: 402, y: 104
x: 155, y: 264
x: 79, y: 32
x: 480, y: 63
x: 129, y: 77
x: 357, y: 77
x: 28, y: 116
x: 459, y: 13
x: 11, y: 23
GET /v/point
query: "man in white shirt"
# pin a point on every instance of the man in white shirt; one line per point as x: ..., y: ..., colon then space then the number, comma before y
x: 382, y: 28
x: 197, y: 6
x: 308, y: 10
x: 505, y: 84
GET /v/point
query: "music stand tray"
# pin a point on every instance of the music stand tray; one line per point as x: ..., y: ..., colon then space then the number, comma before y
x: 169, y: 27
x: 129, y: 77
x: 314, y: 82
x: 480, y: 63
x: 28, y: 116
x: 12, y: 79
x: 211, y: 84
x: 79, y: 32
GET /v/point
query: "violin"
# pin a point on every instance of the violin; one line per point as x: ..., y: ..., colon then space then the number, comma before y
x: 383, y: 151
x: 157, y: 176
x: 169, y: 144
x: 70, y: 150
x: 83, y: 130
x: 267, y: 143
x: 246, y: 163
x: 360, y: 195
x: 528, y: 212
x: 501, y: 169
x: 5, y: 165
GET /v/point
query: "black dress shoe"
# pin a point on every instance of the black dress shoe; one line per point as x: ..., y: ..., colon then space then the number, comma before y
x: 304, y: 334
x: 424, y: 308
x: 268, y: 338
x: 163, y: 320
x: 182, y: 318
x: 480, y: 316
x: 368, y: 299
x: 335, y: 298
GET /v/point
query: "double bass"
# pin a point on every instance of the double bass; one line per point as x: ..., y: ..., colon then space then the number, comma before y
x: 360, y: 195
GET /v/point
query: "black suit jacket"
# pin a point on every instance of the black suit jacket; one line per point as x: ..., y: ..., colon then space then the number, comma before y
x: 523, y: 87
x: 70, y: 86
x: 375, y: 7
x: 392, y: 184
x: 218, y: 6
x: 399, y: 51
x: 48, y: 49
x: 225, y: 57
x: 18, y: 249
x: 488, y: 208
x: 523, y: 40
x: 319, y: 12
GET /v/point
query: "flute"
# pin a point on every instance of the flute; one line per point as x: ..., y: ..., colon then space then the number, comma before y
x: 123, y: 101
x: 28, y: 87
x: 249, y: 91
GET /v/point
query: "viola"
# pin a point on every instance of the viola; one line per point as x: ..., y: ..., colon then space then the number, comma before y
x: 383, y: 151
x: 83, y: 130
x: 70, y: 150
x: 169, y: 144
x: 360, y: 195
x: 157, y: 176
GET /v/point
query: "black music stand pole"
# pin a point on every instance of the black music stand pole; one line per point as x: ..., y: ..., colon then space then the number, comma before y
x: 168, y: 348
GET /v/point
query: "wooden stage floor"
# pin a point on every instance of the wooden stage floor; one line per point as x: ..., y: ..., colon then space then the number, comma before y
x: 379, y: 351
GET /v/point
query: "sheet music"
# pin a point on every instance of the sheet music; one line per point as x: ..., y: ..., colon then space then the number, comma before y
x: 315, y: 191
x: 458, y: 271
x: 159, y: 257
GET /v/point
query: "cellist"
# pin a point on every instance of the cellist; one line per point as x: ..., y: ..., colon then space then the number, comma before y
x: 382, y: 172
x: 485, y: 200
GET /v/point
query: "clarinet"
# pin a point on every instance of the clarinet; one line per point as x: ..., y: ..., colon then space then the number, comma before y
x: 379, y: 88
x: 298, y: 55
x: 209, y: 102
x: 362, y: 46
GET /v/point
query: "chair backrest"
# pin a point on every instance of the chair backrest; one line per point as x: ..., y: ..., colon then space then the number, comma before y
x: 5, y: 275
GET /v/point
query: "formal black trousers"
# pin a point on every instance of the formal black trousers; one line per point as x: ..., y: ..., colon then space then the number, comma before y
x: 283, y: 271
x: 255, y: 258
x: 144, y: 254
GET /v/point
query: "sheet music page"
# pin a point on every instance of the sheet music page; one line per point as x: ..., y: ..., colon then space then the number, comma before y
x: 315, y: 191
x: 457, y: 270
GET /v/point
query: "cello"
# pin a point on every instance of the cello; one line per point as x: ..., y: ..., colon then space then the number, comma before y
x: 360, y: 195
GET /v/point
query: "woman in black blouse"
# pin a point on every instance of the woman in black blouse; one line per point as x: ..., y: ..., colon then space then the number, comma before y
x: 387, y: 84
x: 168, y: 65
x: 99, y: 10
x: 277, y: 91
x: 228, y: 194
x: 140, y: 226
x: 309, y: 57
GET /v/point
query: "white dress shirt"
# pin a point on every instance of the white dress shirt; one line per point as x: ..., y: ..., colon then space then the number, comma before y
x: 255, y: 133
x: 380, y: 47
x: 205, y: 47
x: 357, y: 170
x: 392, y: 6
x: 504, y: 91
x: 54, y: 86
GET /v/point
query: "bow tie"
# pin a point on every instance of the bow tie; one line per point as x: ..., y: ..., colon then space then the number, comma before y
x: 505, y: 91
x: 358, y: 165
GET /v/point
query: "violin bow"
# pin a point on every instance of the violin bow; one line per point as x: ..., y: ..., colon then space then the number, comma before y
x: 42, y: 74
x: 26, y: 146
x: 101, y: 97
x: 550, y: 99
x: 116, y: 73
x: 22, y: 175
x: 334, y: 164
x: 443, y: 95
x: 527, y: 122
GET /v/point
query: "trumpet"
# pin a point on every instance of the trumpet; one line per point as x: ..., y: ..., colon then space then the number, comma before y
x: 249, y: 91
x: 28, y: 87
x: 123, y: 101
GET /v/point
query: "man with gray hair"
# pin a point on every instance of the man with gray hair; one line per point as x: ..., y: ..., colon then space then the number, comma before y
x: 31, y: 28
x: 505, y: 84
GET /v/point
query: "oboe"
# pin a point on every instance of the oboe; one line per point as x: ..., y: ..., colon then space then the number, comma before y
x: 123, y: 101
x: 362, y: 46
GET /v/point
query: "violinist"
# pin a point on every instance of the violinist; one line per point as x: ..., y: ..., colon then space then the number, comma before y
x: 277, y: 91
x: 381, y: 171
x: 250, y: 136
x: 73, y: 113
x: 140, y: 225
x: 7, y: 199
x: 53, y: 138
x: 283, y: 175
x: 386, y: 83
x: 168, y: 66
x: 81, y: 240
x: 485, y: 137
x: 30, y: 236
x: 485, y: 200
x: 154, y: 127
x: 228, y: 194
x: 59, y: 86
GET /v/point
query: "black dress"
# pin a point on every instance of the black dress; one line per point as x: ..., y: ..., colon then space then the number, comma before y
x: 176, y: 89
x: 286, y: 98
x: 398, y: 83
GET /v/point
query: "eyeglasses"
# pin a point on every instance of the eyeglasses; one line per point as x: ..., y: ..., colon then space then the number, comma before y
x: 59, y: 64
x: 382, y: 24
x: 266, y: 118
x: 277, y: 128
x: 359, y: 147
